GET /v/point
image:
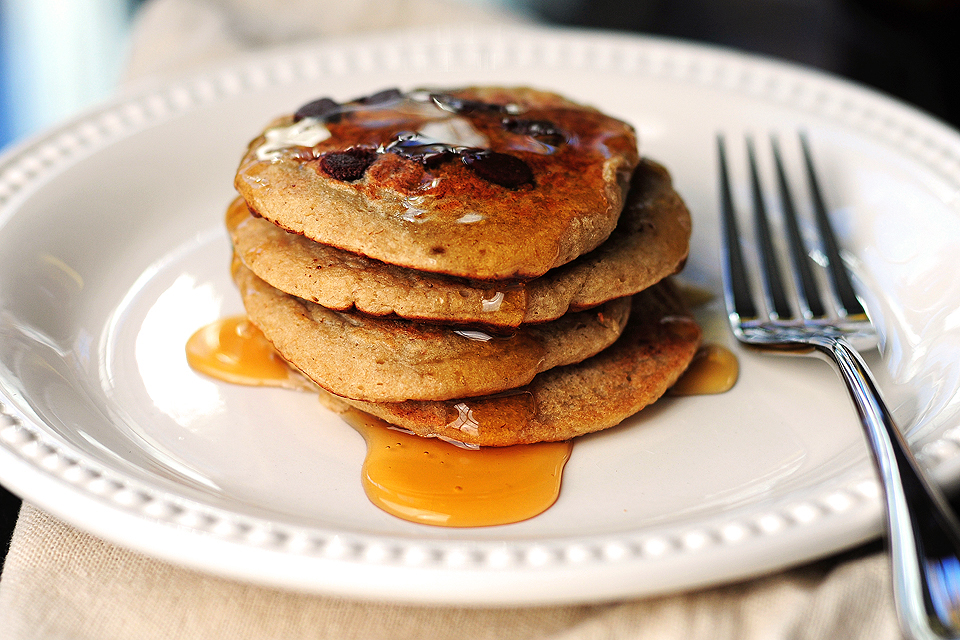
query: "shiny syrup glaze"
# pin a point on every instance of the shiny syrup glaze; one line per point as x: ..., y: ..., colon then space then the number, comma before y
x: 430, y: 129
x: 428, y: 480
x: 440, y: 159
x: 496, y: 138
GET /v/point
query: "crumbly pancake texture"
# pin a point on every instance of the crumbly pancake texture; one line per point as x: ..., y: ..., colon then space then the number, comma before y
x: 481, y: 183
x: 650, y: 242
x: 385, y: 360
x: 657, y: 346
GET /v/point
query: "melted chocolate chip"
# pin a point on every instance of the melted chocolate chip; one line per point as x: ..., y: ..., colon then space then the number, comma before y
x: 499, y: 168
x: 424, y: 151
x: 380, y: 97
x: 348, y: 165
x: 427, y: 155
x: 543, y: 130
x: 462, y: 105
x: 436, y: 159
x: 323, y: 108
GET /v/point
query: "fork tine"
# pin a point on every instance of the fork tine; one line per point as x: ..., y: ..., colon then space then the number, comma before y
x: 923, y: 532
x: 738, y: 291
x: 777, y: 303
x: 807, y: 290
x: 843, y: 288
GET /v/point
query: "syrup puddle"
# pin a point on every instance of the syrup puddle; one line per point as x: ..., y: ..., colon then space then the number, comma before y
x: 434, y: 482
x: 428, y: 480
x: 425, y: 480
x: 714, y: 369
x: 235, y: 351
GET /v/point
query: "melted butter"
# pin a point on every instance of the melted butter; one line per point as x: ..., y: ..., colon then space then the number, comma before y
x: 442, y: 129
x: 529, y: 144
x: 383, y: 125
x: 430, y: 481
x: 714, y: 369
x: 453, y: 132
x: 305, y: 133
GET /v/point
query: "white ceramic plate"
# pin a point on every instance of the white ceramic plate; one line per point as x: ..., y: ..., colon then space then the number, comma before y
x: 112, y: 252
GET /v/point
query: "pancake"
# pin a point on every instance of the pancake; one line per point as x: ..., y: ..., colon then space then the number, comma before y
x: 387, y: 360
x: 473, y: 183
x: 650, y: 242
x: 658, y: 344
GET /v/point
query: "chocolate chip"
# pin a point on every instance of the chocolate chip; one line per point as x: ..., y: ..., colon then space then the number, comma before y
x: 348, y: 165
x: 430, y: 160
x: 543, y: 130
x: 462, y: 105
x: 323, y: 108
x: 380, y: 97
x: 427, y: 155
x: 427, y: 152
x: 499, y: 168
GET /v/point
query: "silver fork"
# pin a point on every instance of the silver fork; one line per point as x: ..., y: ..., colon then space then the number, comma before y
x: 923, y: 533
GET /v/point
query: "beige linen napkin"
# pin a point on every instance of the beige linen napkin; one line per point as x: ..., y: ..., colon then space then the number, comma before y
x: 61, y: 583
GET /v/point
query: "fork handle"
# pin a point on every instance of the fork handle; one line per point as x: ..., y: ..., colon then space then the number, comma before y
x: 923, y: 532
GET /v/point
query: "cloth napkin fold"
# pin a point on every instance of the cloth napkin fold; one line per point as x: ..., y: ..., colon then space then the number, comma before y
x: 62, y: 583
x: 59, y: 582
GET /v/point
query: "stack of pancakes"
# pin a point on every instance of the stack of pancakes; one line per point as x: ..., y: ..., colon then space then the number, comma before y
x: 485, y: 265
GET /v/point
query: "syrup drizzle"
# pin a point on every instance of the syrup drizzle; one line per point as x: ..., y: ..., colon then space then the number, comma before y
x: 429, y: 480
x: 424, y: 480
x: 442, y: 134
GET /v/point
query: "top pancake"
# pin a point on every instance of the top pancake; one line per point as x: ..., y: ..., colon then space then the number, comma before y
x: 481, y: 183
x: 650, y: 242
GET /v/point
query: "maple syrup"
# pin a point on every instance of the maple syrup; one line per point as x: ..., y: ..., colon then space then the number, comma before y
x: 234, y: 350
x: 429, y: 480
x: 714, y: 369
x: 425, y: 480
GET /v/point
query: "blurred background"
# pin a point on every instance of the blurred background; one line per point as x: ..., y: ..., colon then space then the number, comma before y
x: 58, y: 57
x: 906, y: 48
